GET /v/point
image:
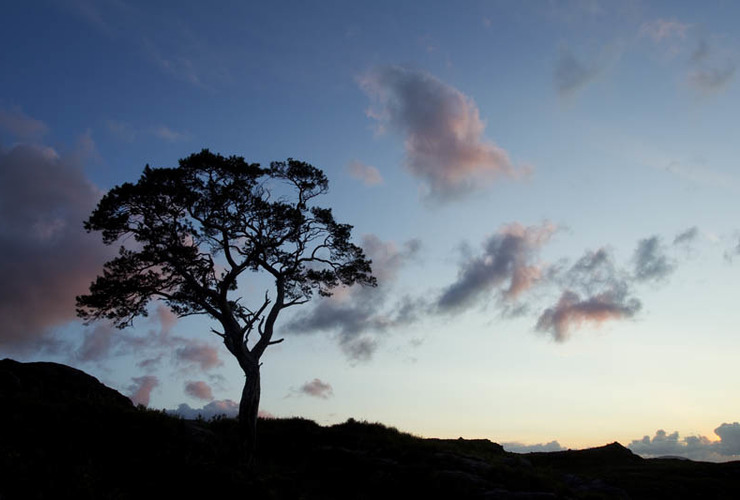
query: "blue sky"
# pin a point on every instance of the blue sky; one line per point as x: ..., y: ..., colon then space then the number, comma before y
x: 548, y: 191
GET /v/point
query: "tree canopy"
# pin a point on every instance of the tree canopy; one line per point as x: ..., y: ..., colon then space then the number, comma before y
x: 188, y: 234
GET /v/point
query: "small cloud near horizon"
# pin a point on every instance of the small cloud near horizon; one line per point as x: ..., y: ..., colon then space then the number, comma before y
x: 692, y: 447
x: 517, y: 447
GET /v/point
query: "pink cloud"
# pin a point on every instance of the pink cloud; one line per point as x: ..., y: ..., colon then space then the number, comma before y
x: 508, y: 264
x: 141, y: 389
x: 572, y: 311
x: 199, y: 390
x: 200, y: 353
x: 48, y: 258
x: 166, y: 318
x: 21, y: 125
x: 97, y: 342
x: 663, y: 29
x: 442, y: 127
x: 369, y: 175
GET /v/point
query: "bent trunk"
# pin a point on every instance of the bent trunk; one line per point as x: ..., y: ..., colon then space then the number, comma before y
x: 248, y: 409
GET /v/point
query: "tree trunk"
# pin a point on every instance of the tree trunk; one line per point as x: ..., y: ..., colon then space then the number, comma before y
x: 248, y: 409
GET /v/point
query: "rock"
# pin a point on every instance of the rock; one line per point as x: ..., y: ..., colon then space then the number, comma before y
x: 56, y: 384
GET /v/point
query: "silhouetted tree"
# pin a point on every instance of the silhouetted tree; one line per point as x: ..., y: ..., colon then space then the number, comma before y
x: 198, y: 228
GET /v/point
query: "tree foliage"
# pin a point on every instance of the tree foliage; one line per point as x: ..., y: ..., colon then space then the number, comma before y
x: 189, y: 233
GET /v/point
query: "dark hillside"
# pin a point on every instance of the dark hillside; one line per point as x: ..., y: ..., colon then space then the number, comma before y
x: 63, y: 434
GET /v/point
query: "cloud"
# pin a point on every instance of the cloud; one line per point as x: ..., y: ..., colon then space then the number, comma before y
x: 594, y: 292
x: 199, y: 353
x: 358, y: 314
x: 692, y: 447
x: 701, y: 53
x: 572, y: 74
x: 711, y: 80
x: 168, y: 134
x: 443, y: 131
x: 369, y: 175
x: 48, y: 258
x: 651, y: 263
x: 141, y: 389
x: 732, y: 252
x: 516, y: 447
x: 225, y: 407
x: 122, y: 131
x: 686, y: 237
x: 97, y: 342
x: 664, y: 29
x: 572, y: 311
x: 20, y: 125
x: 317, y: 389
x: 713, y: 68
x: 199, y: 389
x: 508, y: 259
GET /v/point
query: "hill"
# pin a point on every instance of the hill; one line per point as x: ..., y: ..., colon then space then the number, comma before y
x: 63, y: 434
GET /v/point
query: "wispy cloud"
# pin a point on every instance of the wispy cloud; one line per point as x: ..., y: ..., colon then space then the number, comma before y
x: 509, y: 258
x: 686, y: 237
x: 20, y: 125
x: 664, y: 29
x: 126, y: 132
x: 166, y: 133
x: 712, y: 79
x: 595, y: 292
x: 358, y: 315
x: 733, y: 252
x: 571, y: 73
x: 650, y: 260
x: 172, y: 46
x: 443, y: 131
x: 97, y: 343
x: 369, y: 175
x: 712, y: 66
x: 140, y: 390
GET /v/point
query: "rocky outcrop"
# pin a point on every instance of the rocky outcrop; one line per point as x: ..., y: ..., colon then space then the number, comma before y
x: 56, y: 384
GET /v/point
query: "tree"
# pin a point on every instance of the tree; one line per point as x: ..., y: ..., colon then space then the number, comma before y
x: 201, y: 226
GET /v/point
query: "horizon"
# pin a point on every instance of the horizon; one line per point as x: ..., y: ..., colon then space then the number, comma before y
x: 548, y: 192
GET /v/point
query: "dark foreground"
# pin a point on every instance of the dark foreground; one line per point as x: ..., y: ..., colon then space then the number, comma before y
x: 65, y: 435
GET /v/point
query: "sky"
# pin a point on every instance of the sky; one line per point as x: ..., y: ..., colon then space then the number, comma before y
x: 548, y: 191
